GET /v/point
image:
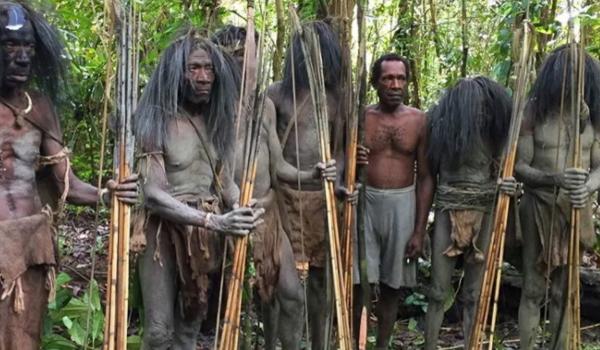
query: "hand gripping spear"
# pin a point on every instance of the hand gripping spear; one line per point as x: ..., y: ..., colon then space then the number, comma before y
x: 115, y: 332
x: 493, y: 268
x: 312, y: 56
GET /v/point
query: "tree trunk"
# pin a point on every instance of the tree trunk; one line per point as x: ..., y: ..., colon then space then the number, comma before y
x: 279, y: 43
x: 465, y: 39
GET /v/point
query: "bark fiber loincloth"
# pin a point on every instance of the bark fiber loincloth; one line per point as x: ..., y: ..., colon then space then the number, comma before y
x: 27, y: 272
x: 310, y: 228
x: 554, y: 230
x: 266, y: 245
x: 466, y: 205
x: 198, y: 252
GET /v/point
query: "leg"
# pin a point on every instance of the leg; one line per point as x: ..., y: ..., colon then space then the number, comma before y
x: 158, y: 285
x: 186, y: 329
x: 558, y: 296
x: 442, y: 267
x: 290, y: 299
x: 387, y: 313
x: 471, y: 288
x: 270, y: 314
x: 532, y: 292
x: 318, y: 307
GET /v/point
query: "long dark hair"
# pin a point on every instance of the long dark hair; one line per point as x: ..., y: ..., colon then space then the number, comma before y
x: 473, y: 110
x: 547, y: 91
x: 48, y: 65
x: 330, y: 55
x: 162, y: 97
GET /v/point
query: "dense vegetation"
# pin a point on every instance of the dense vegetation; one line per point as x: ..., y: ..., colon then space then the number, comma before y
x: 444, y: 40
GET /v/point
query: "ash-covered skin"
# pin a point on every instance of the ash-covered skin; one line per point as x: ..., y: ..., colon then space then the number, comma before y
x: 20, y: 145
x: 308, y: 152
x: 283, y: 315
x: 395, y: 138
x: 30, y: 51
x: 468, y: 131
x: 544, y: 162
x: 195, y: 89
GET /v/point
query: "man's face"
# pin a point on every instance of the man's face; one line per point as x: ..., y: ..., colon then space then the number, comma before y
x: 392, y: 83
x: 17, y: 48
x: 200, y: 76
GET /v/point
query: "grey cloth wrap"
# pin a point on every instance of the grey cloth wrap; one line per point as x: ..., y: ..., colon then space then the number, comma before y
x: 389, y: 223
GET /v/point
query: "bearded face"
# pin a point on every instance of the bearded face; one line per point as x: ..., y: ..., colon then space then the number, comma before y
x: 17, y: 46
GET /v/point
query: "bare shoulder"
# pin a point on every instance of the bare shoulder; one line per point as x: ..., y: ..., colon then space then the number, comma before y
x: 44, y: 115
x: 269, y: 111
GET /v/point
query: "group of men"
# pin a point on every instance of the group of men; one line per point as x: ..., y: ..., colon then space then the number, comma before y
x: 191, y: 165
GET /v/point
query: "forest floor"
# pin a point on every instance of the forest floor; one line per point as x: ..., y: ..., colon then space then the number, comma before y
x: 77, y: 242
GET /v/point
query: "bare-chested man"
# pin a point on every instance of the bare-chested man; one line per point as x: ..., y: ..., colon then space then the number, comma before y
x: 307, y: 231
x: 468, y: 130
x: 29, y: 134
x: 398, y: 198
x: 277, y: 280
x: 553, y: 186
x: 185, y: 124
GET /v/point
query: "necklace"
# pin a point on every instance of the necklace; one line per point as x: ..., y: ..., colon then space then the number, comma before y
x: 19, y: 113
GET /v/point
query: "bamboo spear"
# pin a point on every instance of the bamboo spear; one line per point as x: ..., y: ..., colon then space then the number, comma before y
x: 127, y: 25
x: 493, y: 269
x: 251, y: 108
x: 365, y: 287
x: 573, y: 306
x: 314, y: 67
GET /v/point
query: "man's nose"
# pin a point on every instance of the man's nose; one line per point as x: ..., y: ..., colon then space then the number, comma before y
x: 203, y: 76
x: 22, y: 57
x: 395, y: 84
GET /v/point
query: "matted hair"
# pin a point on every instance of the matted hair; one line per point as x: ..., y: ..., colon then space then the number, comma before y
x: 330, y: 54
x: 376, y: 67
x: 162, y: 97
x: 48, y: 66
x: 473, y: 110
x: 547, y: 91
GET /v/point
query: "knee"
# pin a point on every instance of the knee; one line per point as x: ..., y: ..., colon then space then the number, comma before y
x: 158, y: 335
x: 532, y: 293
x: 437, y: 294
x: 470, y: 295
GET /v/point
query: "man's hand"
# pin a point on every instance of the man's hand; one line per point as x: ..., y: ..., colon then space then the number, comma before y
x: 127, y: 191
x: 326, y: 171
x: 362, y: 155
x: 508, y: 185
x: 343, y: 193
x: 414, y: 247
x: 579, y: 196
x: 239, y: 221
x: 572, y: 178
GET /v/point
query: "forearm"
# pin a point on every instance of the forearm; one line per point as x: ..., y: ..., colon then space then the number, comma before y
x: 290, y: 174
x: 534, y: 177
x: 79, y: 192
x: 164, y: 205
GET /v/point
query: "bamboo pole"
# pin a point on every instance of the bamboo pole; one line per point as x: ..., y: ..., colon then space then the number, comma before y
x: 127, y: 24
x: 253, y: 113
x: 493, y: 269
x: 314, y: 67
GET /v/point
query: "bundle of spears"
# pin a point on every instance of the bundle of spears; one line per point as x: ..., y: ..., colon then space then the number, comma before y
x: 250, y: 112
x: 490, y: 286
x: 127, y: 25
x: 312, y: 55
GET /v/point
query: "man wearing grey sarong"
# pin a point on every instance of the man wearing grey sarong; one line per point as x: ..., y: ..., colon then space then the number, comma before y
x: 399, y: 194
x: 389, y: 221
